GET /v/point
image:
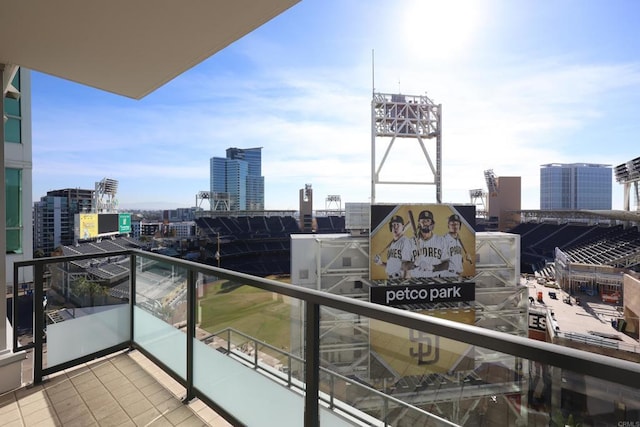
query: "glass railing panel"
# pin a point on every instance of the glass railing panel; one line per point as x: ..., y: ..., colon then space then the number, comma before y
x: 413, y: 378
x: 84, y: 308
x: 160, y: 312
x: 248, y: 351
x: 21, y: 298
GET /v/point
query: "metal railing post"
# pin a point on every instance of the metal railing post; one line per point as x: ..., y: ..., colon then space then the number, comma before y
x: 38, y: 321
x: 14, y: 306
x: 191, y: 331
x: 312, y: 365
x: 255, y: 354
x: 132, y: 297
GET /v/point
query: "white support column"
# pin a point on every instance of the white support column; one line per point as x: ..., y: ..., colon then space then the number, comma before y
x: 10, y: 363
x: 3, y: 221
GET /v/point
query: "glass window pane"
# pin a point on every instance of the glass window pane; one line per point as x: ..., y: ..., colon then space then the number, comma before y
x: 14, y: 241
x: 12, y: 130
x: 12, y: 107
x: 13, y: 183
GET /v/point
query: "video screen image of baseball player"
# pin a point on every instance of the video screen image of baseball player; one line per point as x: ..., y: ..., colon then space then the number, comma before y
x: 442, y: 235
x: 400, y: 251
x: 431, y: 258
x: 454, y: 248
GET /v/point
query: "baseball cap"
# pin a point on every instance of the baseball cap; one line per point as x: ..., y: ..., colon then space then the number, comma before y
x: 425, y: 215
x: 455, y: 217
x: 396, y: 218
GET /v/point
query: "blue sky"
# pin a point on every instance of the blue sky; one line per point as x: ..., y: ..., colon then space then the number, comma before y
x: 521, y: 84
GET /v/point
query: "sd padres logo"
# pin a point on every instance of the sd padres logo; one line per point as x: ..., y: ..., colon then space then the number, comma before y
x: 427, y: 350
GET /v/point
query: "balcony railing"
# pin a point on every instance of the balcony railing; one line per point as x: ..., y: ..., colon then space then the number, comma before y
x: 260, y: 351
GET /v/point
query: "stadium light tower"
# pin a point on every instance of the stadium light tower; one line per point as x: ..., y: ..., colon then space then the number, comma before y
x: 479, y: 199
x: 105, y: 196
x: 333, y: 201
x: 406, y: 118
x: 203, y: 195
x: 628, y: 174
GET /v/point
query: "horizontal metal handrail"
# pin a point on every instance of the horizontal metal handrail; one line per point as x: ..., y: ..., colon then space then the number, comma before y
x: 582, y: 362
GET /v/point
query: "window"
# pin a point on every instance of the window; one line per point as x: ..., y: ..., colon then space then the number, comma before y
x: 13, y: 185
x: 12, y: 130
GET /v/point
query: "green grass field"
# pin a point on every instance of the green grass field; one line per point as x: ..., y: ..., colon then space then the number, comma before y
x: 263, y: 315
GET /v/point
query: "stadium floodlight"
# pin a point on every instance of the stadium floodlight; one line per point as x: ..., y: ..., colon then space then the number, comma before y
x: 492, y: 182
x: 628, y: 172
x: 476, y: 192
x: 107, y: 186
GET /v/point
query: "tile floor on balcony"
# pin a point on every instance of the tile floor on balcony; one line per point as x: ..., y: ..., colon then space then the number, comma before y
x: 125, y: 389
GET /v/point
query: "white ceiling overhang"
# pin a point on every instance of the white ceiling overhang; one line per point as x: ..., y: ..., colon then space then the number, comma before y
x: 128, y: 47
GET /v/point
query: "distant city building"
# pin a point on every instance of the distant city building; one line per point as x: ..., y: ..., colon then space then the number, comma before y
x: 180, y: 214
x: 505, y: 202
x: 54, y: 217
x: 239, y: 178
x: 182, y: 229
x: 306, y: 208
x: 575, y: 186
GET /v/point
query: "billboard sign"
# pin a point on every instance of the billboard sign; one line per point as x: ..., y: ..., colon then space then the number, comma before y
x: 124, y: 223
x: 422, y: 241
x: 107, y: 223
x: 422, y: 294
x: 88, y: 226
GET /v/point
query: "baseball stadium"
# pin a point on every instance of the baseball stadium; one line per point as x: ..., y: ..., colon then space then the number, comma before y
x: 569, y: 278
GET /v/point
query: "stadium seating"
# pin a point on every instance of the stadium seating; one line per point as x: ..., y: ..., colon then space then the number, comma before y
x: 589, y: 244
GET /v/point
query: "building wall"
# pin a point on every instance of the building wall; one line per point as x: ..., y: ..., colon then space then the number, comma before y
x: 236, y: 177
x: 575, y: 186
x: 631, y: 301
x: 217, y: 171
x: 508, y: 198
x: 18, y: 155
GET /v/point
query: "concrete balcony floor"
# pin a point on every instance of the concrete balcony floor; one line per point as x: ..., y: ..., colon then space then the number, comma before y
x: 124, y: 389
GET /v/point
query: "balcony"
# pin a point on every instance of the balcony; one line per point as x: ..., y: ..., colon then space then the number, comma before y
x: 262, y: 352
x: 124, y: 388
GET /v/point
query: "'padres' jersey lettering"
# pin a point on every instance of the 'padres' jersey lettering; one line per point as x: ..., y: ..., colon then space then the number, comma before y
x: 454, y: 250
x: 400, y: 250
x: 394, y: 253
x: 429, y: 252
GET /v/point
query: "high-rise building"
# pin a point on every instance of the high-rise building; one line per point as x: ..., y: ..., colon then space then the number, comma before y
x: 239, y: 178
x: 574, y: 186
x: 54, y: 217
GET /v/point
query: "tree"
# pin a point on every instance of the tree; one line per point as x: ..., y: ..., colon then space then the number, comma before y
x: 84, y: 287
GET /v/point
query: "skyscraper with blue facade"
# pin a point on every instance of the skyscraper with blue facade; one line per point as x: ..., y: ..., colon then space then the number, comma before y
x: 238, y: 177
x: 574, y: 186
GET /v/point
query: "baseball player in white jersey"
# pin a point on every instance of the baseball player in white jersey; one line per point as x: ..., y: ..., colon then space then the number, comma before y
x: 400, y: 251
x: 454, y: 248
x: 430, y: 259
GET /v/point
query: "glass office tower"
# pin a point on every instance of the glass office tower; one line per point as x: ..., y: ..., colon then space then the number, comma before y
x: 575, y: 186
x: 240, y: 176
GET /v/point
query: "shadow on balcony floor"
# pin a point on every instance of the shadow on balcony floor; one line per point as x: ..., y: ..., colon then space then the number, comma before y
x: 125, y: 389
